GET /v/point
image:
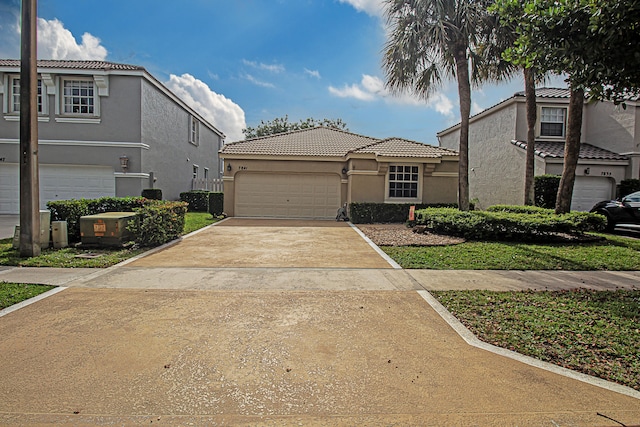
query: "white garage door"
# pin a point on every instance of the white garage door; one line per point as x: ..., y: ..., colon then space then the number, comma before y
x: 587, y: 191
x: 57, y: 182
x: 287, y: 195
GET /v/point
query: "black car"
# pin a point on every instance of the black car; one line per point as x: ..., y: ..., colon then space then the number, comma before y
x: 624, y: 211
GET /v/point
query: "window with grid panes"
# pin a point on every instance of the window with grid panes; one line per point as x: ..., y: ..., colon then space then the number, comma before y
x: 15, y: 95
x: 403, y: 181
x: 552, y: 121
x: 78, y: 97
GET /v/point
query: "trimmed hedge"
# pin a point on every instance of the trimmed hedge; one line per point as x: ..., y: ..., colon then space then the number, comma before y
x: 158, y: 222
x: 367, y: 213
x: 198, y: 200
x: 508, y: 223
x: 546, y: 190
x: 152, y: 193
x: 216, y: 203
x: 72, y: 210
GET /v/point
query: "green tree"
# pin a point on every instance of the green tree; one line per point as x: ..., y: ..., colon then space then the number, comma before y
x: 593, y: 41
x: 433, y: 40
x: 282, y: 124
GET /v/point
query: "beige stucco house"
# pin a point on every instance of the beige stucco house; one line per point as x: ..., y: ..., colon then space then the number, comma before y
x: 610, y: 149
x: 311, y: 173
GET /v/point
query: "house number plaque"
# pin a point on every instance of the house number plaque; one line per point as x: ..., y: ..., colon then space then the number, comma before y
x: 243, y: 168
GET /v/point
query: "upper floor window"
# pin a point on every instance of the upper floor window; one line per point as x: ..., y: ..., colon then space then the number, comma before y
x: 14, y: 102
x: 552, y: 121
x: 195, y: 171
x: 403, y: 181
x: 78, y: 97
x: 193, y: 130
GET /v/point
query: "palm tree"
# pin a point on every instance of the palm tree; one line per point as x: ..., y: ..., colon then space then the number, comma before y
x: 429, y: 41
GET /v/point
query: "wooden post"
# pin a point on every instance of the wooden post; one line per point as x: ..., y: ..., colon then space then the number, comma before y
x: 29, y: 183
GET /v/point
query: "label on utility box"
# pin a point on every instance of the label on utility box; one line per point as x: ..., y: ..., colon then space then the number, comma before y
x: 99, y: 228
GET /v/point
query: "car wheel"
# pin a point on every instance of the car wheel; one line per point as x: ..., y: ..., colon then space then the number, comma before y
x: 611, y: 224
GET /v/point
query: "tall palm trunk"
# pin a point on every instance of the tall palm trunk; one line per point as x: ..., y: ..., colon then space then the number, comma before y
x: 464, y: 92
x: 532, y: 116
x: 571, y: 151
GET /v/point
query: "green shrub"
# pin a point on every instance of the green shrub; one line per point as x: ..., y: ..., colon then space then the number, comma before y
x: 519, y: 209
x: 216, y: 203
x: 152, y: 193
x: 158, y: 222
x: 197, y: 200
x: 628, y: 186
x: 508, y: 223
x: 367, y: 213
x: 546, y: 190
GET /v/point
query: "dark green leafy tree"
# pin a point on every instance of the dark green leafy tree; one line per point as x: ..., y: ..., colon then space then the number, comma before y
x: 282, y: 124
x: 593, y: 41
x: 431, y: 41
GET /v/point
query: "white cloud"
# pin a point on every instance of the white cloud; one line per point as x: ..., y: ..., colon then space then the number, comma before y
x: 371, y: 88
x: 56, y: 42
x: 273, y: 68
x: 312, y: 73
x: 222, y: 112
x: 370, y: 7
x: 257, y: 82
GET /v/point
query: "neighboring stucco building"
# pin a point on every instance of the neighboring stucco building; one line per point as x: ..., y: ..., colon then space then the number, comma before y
x: 610, y: 149
x: 313, y: 172
x: 105, y: 129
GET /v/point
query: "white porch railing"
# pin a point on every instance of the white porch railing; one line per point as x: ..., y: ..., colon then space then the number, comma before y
x: 212, y: 184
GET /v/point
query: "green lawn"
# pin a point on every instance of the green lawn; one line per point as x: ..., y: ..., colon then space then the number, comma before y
x: 68, y: 257
x: 613, y: 253
x: 594, y: 332
x: 13, y: 293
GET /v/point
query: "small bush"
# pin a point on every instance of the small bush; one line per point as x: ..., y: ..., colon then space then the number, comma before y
x: 546, y: 190
x: 628, y: 186
x: 197, y: 200
x: 158, y: 222
x: 508, y: 223
x: 216, y: 203
x: 152, y: 193
x: 367, y: 213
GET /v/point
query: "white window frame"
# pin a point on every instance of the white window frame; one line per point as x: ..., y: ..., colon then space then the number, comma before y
x: 12, y: 97
x: 392, y: 180
x: 542, y: 119
x: 206, y: 173
x: 194, y: 130
x: 63, y: 96
x: 195, y: 171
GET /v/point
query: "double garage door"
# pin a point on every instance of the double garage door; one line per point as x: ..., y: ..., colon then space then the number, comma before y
x: 313, y: 196
x: 57, y: 182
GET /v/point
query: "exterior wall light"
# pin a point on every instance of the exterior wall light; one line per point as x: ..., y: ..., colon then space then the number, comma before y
x: 344, y: 170
x: 229, y: 167
x: 124, y: 163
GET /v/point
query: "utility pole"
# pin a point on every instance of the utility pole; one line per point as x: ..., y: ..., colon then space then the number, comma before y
x: 29, y: 182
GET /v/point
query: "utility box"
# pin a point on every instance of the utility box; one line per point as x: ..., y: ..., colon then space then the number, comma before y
x: 59, y: 234
x: 45, y: 222
x: 107, y: 229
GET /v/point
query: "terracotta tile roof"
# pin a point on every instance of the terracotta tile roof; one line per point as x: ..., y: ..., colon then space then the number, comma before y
x: 555, y: 150
x: 75, y: 65
x: 397, y: 147
x: 318, y: 141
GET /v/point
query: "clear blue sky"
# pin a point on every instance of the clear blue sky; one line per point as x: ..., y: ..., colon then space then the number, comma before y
x: 243, y: 61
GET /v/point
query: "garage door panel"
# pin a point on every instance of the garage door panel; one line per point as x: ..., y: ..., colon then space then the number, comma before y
x: 587, y: 191
x: 287, y: 195
x: 57, y: 182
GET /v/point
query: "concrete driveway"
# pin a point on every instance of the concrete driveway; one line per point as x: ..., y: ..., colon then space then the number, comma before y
x: 183, y: 349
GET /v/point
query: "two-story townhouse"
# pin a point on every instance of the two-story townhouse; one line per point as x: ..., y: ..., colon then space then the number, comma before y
x: 104, y: 129
x: 610, y: 149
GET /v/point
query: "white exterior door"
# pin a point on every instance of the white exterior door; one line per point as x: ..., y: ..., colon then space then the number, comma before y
x: 314, y: 196
x: 57, y: 182
x: 588, y: 190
